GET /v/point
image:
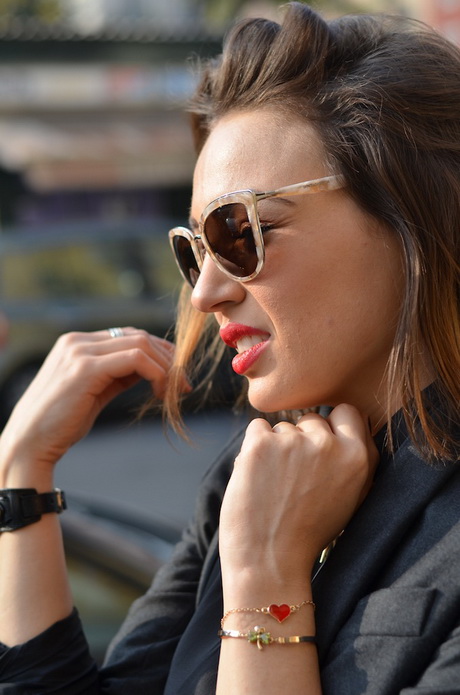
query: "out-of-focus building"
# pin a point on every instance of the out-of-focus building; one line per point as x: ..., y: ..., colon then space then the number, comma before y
x: 444, y: 15
x: 92, y: 95
x: 91, y: 108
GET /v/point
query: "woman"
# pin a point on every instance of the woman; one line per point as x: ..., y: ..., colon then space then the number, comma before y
x: 338, y: 284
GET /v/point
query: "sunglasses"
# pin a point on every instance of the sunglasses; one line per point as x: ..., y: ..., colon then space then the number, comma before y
x: 231, y: 234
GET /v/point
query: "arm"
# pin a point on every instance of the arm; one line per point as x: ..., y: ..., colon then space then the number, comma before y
x: 140, y: 655
x: 82, y: 374
x: 293, y: 490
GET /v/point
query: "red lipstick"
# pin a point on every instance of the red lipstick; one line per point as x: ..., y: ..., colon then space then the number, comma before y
x: 233, y: 333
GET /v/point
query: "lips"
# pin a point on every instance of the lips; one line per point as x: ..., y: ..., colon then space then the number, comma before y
x: 250, y: 342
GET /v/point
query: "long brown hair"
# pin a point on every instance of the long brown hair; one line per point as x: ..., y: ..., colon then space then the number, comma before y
x: 384, y: 95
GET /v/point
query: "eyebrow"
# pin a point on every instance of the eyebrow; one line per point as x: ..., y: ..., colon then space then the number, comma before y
x: 288, y: 201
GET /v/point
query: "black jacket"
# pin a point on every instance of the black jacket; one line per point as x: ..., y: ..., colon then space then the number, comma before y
x: 388, y: 602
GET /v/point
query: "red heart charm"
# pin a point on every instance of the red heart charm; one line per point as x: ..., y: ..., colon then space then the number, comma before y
x: 279, y: 612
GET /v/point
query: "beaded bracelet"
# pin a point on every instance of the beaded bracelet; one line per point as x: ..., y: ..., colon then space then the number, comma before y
x: 258, y: 635
x: 280, y: 613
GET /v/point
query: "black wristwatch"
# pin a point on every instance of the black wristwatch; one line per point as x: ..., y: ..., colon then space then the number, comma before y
x: 24, y: 506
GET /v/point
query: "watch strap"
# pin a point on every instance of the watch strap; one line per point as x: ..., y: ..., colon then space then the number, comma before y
x: 23, y: 506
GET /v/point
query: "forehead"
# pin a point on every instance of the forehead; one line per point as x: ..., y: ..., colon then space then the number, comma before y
x: 260, y: 150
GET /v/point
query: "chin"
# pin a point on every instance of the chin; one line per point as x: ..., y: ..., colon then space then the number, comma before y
x: 267, y: 401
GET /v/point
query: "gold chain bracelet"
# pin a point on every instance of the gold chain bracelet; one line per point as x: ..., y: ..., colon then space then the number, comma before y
x: 279, y: 613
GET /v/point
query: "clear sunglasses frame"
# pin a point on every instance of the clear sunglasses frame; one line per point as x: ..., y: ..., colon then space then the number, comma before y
x: 249, y: 199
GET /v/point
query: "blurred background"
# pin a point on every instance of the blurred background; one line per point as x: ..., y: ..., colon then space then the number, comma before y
x: 95, y: 166
x: 96, y: 158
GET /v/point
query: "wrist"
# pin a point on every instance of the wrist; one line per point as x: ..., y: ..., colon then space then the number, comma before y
x: 274, y: 572
x: 26, y: 475
x: 19, y: 468
x: 23, y: 472
x: 248, y: 612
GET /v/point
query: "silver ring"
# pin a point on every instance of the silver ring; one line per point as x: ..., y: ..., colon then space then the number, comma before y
x: 115, y: 332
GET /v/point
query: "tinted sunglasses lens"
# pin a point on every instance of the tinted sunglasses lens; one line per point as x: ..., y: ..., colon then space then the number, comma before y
x: 186, y: 259
x: 230, y: 236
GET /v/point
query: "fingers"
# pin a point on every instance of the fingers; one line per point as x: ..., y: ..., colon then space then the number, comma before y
x: 349, y: 425
x: 338, y: 447
x: 104, y: 341
x: 133, y: 352
x: 88, y: 370
x: 308, y: 423
x: 353, y: 429
x: 131, y: 360
x: 123, y: 364
x: 258, y: 425
x: 82, y: 373
x: 346, y: 421
x: 126, y: 331
x: 162, y: 350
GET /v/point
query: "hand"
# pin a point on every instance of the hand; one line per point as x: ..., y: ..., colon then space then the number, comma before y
x: 293, y: 490
x: 82, y: 373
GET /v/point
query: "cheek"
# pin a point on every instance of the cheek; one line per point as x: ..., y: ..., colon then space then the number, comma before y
x: 347, y: 292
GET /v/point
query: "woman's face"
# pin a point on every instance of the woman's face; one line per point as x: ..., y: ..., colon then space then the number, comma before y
x: 316, y: 326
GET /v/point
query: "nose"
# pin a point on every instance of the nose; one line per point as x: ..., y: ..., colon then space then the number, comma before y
x: 214, y: 288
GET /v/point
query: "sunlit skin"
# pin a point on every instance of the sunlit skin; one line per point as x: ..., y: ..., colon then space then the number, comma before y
x: 330, y: 291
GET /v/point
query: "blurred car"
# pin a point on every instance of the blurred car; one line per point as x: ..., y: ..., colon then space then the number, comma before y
x: 82, y: 277
x: 111, y: 558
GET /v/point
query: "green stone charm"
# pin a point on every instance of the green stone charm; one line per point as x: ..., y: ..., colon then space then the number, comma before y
x: 259, y: 636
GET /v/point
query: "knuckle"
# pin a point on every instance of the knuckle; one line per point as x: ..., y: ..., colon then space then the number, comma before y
x: 321, y: 439
x: 255, y: 445
x: 136, y: 353
x: 142, y: 340
x: 309, y: 417
x: 347, y: 410
x: 138, y: 356
x: 68, y: 339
